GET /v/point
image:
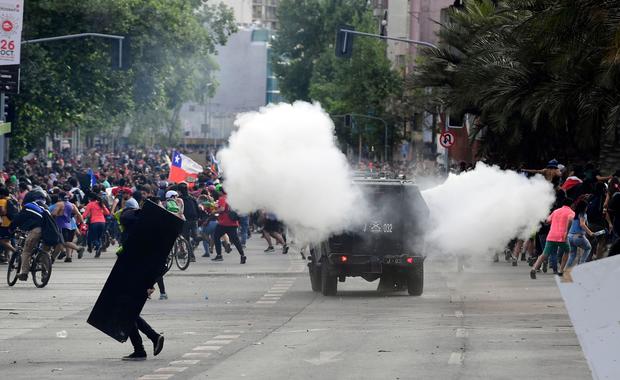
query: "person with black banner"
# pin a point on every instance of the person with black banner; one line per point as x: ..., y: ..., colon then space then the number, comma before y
x: 129, y: 219
x: 227, y: 224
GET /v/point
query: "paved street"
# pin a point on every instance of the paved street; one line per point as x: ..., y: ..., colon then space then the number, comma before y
x: 262, y: 321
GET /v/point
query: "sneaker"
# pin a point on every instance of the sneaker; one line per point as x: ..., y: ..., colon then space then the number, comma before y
x: 192, y: 258
x: 533, y: 274
x: 269, y: 249
x: 22, y: 277
x: 80, y: 252
x: 514, y: 263
x: 243, y: 259
x: 227, y: 248
x: 544, y: 266
x: 68, y: 260
x: 285, y: 249
x: 163, y: 296
x: 90, y: 249
x: 158, y: 344
x: 135, y: 357
x: 206, y: 254
x: 560, y: 274
x: 98, y: 253
x: 217, y: 258
x: 61, y: 256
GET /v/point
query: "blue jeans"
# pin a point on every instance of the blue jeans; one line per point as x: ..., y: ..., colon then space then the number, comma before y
x: 244, y: 228
x: 578, y: 241
x: 208, y: 231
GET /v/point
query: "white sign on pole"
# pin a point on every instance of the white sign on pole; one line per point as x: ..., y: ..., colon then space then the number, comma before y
x: 11, y: 22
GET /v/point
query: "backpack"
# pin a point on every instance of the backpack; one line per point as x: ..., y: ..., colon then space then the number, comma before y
x: 172, y: 206
x: 12, y: 208
x: 233, y: 215
x: 50, y: 233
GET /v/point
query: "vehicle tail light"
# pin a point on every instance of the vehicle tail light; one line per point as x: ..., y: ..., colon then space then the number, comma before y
x: 409, y: 260
x: 343, y: 259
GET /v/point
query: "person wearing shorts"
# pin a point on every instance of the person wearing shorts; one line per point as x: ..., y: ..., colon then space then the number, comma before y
x: 561, y: 220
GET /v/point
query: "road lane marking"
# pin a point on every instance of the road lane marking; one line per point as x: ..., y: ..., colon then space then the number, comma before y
x: 456, y: 358
x: 185, y: 362
x: 276, y: 291
x: 266, y: 302
x: 461, y: 333
x: 227, y: 337
x: 207, y: 348
x: 325, y: 357
x: 234, y: 331
x: 171, y: 369
x: 458, y: 314
x: 217, y: 341
x: 272, y: 295
x: 156, y: 376
x: 197, y: 355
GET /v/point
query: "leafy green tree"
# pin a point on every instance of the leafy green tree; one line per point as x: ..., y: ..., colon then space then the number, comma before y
x: 73, y: 83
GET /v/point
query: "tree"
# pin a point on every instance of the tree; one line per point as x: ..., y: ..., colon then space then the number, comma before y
x: 73, y: 83
x: 540, y: 74
x: 308, y: 69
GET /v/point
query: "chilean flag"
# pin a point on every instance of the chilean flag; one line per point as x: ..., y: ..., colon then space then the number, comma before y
x: 183, y: 169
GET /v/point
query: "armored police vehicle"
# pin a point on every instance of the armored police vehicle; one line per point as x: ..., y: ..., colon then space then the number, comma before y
x: 387, y: 245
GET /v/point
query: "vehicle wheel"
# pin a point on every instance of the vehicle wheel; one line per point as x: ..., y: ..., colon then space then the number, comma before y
x: 14, y: 266
x: 415, y: 280
x: 41, y: 270
x: 329, y: 283
x: 315, y: 277
x: 182, y: 254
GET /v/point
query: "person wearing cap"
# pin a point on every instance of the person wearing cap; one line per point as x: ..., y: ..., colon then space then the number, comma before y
x: 174, y: 204
x: 551, y: 172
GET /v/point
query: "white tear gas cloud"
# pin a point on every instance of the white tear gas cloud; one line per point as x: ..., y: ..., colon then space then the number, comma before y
x: 479, y: 212
x: 284, y: 159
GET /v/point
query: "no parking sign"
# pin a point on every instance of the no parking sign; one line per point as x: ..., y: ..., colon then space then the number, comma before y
x: 447, y: 139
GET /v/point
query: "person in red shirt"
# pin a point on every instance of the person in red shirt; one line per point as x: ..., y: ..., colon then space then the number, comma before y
x: 227, y: 224
x: 95, y: 213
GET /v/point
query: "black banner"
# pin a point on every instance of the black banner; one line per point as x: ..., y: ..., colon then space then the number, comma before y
x: 137, y: 268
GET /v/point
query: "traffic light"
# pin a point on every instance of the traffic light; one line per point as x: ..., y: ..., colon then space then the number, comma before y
x: 344, y: 41
x: 125, y: 63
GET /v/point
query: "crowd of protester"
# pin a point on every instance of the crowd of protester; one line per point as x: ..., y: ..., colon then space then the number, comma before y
x: 86, y: 195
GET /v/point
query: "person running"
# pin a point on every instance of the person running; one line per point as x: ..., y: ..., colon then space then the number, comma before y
x: 272, y: 229
x: 64, y: 212
x: 560, y: 220
x: 577, y: 235
x: 192, y: 214
x: 226, y: 224
x: 95, y: 213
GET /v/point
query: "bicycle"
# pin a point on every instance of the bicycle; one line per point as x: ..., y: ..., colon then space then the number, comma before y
x: 180, y: 253
x: 40, y: 263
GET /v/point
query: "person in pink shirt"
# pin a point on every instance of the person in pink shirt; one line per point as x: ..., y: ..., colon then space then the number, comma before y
x: 560, y: 220
x: 95, y: 213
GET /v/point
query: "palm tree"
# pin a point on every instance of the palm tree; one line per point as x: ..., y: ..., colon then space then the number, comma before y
x: 541, y: 74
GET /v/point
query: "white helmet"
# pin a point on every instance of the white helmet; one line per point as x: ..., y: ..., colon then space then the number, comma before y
x: 171, y: 193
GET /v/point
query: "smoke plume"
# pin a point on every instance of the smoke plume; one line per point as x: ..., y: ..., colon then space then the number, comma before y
x: 284, y: 159
x: 479, y: 212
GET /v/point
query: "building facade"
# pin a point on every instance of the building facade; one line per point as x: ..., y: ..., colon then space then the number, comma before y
x: 245, y: 81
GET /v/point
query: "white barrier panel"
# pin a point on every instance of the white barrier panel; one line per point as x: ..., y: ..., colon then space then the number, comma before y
x: 590, y: 292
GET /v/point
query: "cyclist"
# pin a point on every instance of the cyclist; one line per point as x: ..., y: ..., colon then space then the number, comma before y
x: 29, y: 220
